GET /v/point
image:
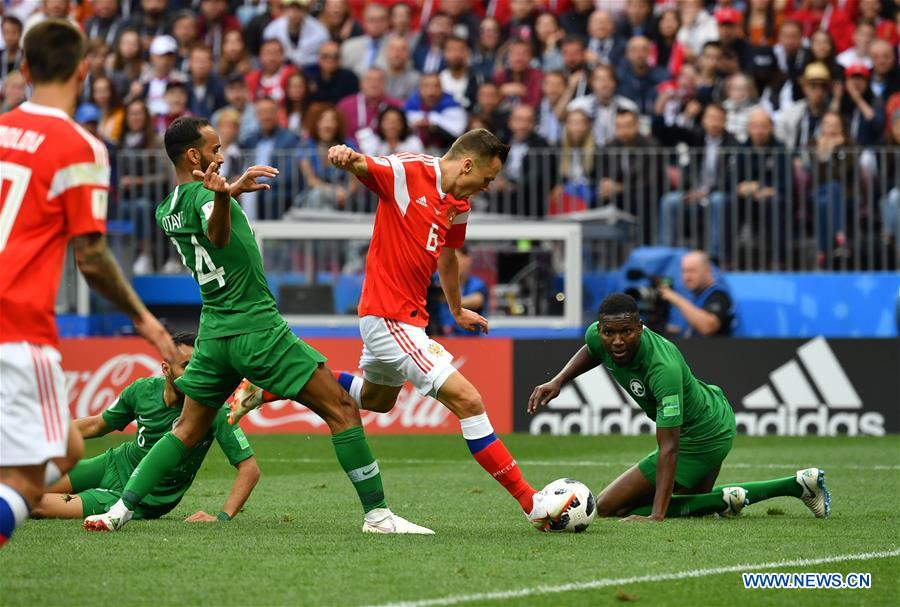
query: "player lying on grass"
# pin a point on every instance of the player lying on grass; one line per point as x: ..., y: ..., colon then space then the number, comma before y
x: 421, y: 220
x: 241, y: 332
x: 695, y: 427
x: 95, y: 484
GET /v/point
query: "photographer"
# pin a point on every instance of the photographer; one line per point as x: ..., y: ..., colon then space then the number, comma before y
x: 710, y: 310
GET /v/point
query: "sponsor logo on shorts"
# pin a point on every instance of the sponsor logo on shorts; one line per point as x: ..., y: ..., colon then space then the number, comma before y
x: 637, y: 388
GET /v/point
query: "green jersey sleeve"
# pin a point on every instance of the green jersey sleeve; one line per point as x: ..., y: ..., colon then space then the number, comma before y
x: 593, y: 342
x: 121, y: 412
x: 232, y: 439
x: 666, y: 385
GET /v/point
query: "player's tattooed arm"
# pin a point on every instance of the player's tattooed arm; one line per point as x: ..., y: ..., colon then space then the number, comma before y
x: 99, y: 268
x: 345, y: 157
x: 580, y: 363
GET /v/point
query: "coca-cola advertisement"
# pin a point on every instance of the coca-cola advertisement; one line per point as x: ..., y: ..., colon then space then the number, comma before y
x: 98, y: 369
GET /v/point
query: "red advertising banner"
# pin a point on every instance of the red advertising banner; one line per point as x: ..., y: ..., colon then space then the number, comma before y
x: 97, y: 369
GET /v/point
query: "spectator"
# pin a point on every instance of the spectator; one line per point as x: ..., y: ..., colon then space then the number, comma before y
x: 400, y: 77
x: 574, y: 65
x: 253, y: 31
x: 177, y: 97
x: 227, y: 125
x: 326, y: 186
x: 677, y: 103
x: 11, y: 55
x: 797, y: 124
x: 152, y: 87
x: 603, y: 46
x: 428, y: 56
x: 150, y: 22
x: 300, y: 34
x: 827, y: 15
x: 575, y: 188
x: 474, y: 294
x: 710, y: 86
x: 50, y: 9
x: 697, y: 27
x: 95, y: 52
x: 363, y: 52
x: 603, y: 104
x: 207, y: 92
x: 575, y: 21
x: 336, y: 18
x: 858, y: 54
x: 871, y: 11
x: 863, y: 114
x: 184, y: 31
x: 465, y: 22
x: 706, y: 178
x: 552, y: 90
x: 547, y: 39
x: 730, y: 35
x: 400, y: 22
x: 214, y: 22
x: 127, y: 65
x: 488, y: 108
x: 486, y: 56
x: 238, y: 97
x: 709, y: 311
x: 632, y: 174
x: 433, y: 114
x: 783, y: 86
x: 885, y: 73
x: 270, y: 78
x: 15, y: 91
x: 296, y: 103
x: 362, y: 109
x: 330, y: 82
x: 105, y: 23
x: 274, y: 146
x: 740, y: 99
x: 637, y: 79
x: 521, y: 23
x: 519, y: 82
x: 527, y: 174
x: 390, y: 135
x: 109, y: 105
x: 821, y: 49
x: 456, y: 79
x: 762, y: 171
x: 234, y: 60
x: 637, y: 21
x: 890, y: 204
x: 831, y: 174
x: 669, y: 51
x: 762, y: 21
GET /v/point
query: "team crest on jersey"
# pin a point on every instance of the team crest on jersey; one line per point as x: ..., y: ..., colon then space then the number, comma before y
x: 451, y: 215
x: 637, y: 388
x: 435, y: 349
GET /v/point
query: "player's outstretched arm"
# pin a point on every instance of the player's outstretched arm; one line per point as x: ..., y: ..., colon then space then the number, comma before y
x: 581, y: 362
x: 102, y: 273
x: 92, y: 426
x: 247, y: 476
x: 218, y: 228
x: 668, y: 440
x: 345, y: 157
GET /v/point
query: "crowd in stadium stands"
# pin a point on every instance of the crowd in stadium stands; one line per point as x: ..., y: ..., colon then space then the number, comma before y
x: 592, y: 83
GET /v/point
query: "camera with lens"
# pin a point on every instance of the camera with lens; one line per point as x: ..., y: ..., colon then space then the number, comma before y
x: 653, y: 308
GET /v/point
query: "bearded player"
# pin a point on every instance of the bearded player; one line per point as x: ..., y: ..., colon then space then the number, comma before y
x: 241, y: 332
x: 695, y: 427
x: 154, y: 403
x: 54, y: 185
x: 421, y: 221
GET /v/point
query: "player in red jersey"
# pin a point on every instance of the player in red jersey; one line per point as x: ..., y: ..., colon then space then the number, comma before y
x: 54, y: 184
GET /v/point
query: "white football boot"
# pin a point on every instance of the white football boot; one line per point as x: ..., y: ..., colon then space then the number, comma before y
x: 243, y: 400
x: 546, y: 508
x: 735, y: 499
x: 382, y: 520
x: 815, y: 494
x: 113, y: 520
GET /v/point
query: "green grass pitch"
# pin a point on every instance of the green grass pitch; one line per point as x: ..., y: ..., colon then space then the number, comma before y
x: 298, y: 541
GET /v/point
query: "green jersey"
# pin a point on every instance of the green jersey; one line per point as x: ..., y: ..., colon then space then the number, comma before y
x: 235, y: 293
x: 142, y: 402
x: 663, y: 386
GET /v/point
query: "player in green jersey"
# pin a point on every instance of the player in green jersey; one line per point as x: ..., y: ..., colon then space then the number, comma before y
x: 241, y: 332
x: 695, y: 427
x: 155, y: 404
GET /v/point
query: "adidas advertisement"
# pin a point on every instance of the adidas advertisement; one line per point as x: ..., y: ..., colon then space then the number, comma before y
x: 776, y: 387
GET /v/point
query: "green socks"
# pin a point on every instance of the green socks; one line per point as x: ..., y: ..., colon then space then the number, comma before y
x: 758, y: 491
x: 162, y: 458
x: 688, y: 505
x: 357, y: 460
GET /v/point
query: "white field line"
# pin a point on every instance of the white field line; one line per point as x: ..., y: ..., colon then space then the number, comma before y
x: 588, y: 463
x: 658, y: 577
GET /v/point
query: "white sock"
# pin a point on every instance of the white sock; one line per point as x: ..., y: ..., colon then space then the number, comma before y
x: 475, y: 427
x: 118, y: 508
x: 356, y: 387
x: 52, y: 473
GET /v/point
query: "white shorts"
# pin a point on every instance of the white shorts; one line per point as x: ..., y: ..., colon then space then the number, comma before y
x: 394, y: 352
x: 34, y: 405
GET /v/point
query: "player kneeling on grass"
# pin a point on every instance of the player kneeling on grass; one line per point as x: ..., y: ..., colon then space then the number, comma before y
x: 94, y: 485
x: 695, y: 427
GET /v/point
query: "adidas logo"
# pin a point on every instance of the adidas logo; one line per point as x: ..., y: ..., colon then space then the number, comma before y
x: 421, y: 200
x: 810, y: 394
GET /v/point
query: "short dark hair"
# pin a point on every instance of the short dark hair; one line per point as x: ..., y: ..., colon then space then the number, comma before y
x: 53, y: 50
x: 572, y: 39
x: 454, y: 38
x: 481, y: 143
x: 184, y: 338
x: 182, y: 134
x: 618, y: 303
x: 13, y: 20
x: 624, y: 111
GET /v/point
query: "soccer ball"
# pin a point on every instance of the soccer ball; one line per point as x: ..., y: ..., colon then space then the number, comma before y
x: 580, y: 512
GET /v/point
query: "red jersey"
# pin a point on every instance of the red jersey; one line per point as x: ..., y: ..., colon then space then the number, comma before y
x: 54, y: 184
x: 414, y: 220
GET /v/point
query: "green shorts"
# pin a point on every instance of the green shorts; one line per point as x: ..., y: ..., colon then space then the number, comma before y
x: 99, y: 484
x: 274, y: 359
x: 695, y: 460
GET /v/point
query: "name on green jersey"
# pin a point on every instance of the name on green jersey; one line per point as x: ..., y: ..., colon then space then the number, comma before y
x: 172, y: 222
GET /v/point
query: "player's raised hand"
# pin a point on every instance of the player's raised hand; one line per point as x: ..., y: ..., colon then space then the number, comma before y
x: 212, y: 180
x: 471, y: 321
x: 248, y: 181
x: 542, y: 395
x: 342, y: 156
